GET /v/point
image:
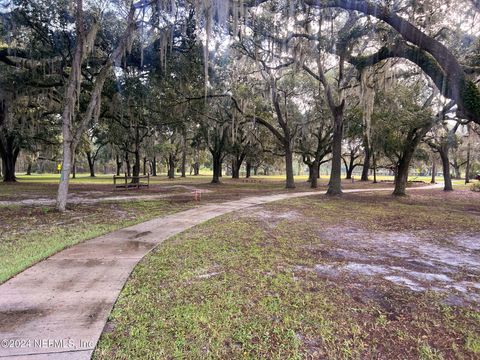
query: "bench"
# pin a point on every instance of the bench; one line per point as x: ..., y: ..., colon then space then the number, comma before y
x: 131, y: 182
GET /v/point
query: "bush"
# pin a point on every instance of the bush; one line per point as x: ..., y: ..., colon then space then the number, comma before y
x: 476, y: 186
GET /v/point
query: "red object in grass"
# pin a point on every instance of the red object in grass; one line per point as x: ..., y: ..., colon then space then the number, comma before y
x: 197, y: 195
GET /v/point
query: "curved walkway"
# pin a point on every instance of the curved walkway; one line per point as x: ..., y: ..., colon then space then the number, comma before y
x: 57, y: 309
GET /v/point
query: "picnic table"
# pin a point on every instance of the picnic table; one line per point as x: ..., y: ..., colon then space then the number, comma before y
x: 131, y: 182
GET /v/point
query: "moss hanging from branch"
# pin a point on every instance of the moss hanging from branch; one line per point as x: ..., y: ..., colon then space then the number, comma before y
x: 367, y: 98
x: 471, y: 95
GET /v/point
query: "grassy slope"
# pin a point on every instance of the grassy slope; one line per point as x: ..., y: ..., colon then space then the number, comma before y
x: 226, y: 290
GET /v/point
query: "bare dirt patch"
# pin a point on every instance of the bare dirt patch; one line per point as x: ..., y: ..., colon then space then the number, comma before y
x: 413, y: 243
x: 270, y: 218
x: 425, y: 267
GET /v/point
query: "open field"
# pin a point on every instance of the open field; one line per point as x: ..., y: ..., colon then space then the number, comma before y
x: 361, y: 277
x: 45, y: 185
x: 32, y: 230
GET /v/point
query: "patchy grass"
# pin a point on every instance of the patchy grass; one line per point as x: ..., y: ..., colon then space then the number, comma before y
x: 241, y: 287
x: 31, y: 234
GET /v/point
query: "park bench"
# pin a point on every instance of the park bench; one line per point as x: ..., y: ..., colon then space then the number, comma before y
x: 131, y: 182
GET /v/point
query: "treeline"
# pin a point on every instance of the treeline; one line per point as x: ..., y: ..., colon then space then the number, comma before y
x: 209, y: 83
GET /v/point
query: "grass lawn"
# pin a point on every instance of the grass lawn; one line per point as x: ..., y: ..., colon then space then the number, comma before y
x: 42, y: 186
x: 306, y: 278
x: 204, y: 177
x: 31, y: 234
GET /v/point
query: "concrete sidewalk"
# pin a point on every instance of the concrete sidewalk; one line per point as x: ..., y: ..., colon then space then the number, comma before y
x: 57, y: 309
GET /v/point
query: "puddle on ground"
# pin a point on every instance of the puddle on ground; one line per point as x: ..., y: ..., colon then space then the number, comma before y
x: 141, y: 234
x: 134, y: 245
x: 9, y: 320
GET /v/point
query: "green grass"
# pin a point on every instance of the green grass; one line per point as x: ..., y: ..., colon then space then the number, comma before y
x: 24, y: 245
x: 473, y: 343
x: 227, y: 289
x: 205, y: 176
x: 17, y: 254
x: 98, y: 179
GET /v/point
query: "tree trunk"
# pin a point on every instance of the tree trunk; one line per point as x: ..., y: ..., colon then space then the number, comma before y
x: 434, y: 172
x: 374, y: 168
x: 71, y: 97
x: 349, y: 174
x: 313, y: 171
x: 236, y: 166
x: 350, y: 166
x: 184, y: 156
x: 310, y: 172
x: 255, y: 170
x: 72, y: 94
x: 66, y: 170
x: 467, y: 165
x: 119, y: 165
x: 217, y: 168
x: 248, y: 169
x: 136, y: 167
x: 290, y: 181
x: 447, y: 179
x: 235, y: 175
x: 171, y: 166
x: 127, y: 164
x: 91, y: 164
x: 196, y: 169
x: 71, y: 136
x: 456, y: 170
x: 29, y: 169
x: 144, y: 166
x: 154, y: 166
x: 401, y: 176
x: 366, y: 161
x: 184, y: 165
x: 9, y: 160
x: 335, y: 184
x: 74, y: 170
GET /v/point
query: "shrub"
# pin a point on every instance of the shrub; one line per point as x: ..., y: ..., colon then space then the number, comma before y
x: 476, y: 186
